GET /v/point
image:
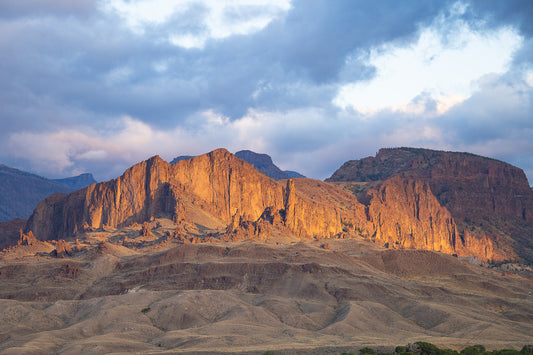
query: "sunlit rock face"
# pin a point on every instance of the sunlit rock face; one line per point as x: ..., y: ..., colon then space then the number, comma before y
x: 400, y: 211
x: 490, y: 201
x: 218, y: 183
x: 404, y: 213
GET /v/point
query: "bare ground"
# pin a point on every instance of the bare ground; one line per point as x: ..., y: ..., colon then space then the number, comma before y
x: 249, y: 297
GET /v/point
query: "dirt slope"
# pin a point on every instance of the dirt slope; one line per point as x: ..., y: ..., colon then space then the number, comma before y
x: 252, y: 297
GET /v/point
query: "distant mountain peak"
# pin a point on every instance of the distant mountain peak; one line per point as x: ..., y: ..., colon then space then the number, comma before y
x: 181, y: 157
x: 21, y: 191
x: 264, y: 163
x: 78, y: 182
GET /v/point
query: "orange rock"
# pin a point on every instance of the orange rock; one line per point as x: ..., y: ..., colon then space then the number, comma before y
x: 400, y: 212
x: 27, y: 239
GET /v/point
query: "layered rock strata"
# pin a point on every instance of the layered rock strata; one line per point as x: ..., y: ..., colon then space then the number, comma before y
x: 400, y: 212
x: 490, y: 201
x: 218, y: 183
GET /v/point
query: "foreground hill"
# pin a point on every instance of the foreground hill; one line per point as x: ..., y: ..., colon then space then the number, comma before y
x: 297, y: 298
x: 21, y: 191
x: 486, y: 198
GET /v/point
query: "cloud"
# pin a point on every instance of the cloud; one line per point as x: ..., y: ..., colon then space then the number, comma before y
x: 444, y: 64
x: 11, y: 8
x: 219, y: 20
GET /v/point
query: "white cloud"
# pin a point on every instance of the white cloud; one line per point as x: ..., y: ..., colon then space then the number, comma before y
x: 127, y: 140
x: 223, y: 18
x: 445, y: 62
x: 118, y: 75
x: 529, y: 78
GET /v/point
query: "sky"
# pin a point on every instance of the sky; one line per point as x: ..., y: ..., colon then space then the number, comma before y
x: 99, y: 85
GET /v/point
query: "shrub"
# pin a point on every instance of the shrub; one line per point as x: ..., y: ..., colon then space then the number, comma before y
x: 367, y: 351
x: 145, y: 310
x: 447, y: 352
x: 473, y: 350
x: 527, y: 350
x: 506, y: 352
x: 399, y: 349
x: 427, y: 348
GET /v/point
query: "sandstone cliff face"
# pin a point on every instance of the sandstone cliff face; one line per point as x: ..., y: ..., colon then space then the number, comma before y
x: 404, y: 213
x: 217, y: 183
x: 488, y: 199
x: 400, y: 212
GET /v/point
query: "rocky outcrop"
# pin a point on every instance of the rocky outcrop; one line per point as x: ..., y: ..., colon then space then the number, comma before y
x: 490, y: 201
x: 62, y: 249
x: 27, y: 239
x: 217, y: 183
x: 403, y: 213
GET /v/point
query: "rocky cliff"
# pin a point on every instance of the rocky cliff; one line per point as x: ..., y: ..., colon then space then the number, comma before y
x: 404, y: 213
x: 217, y: 183
x: 400, y: 212
x: 490, y: 201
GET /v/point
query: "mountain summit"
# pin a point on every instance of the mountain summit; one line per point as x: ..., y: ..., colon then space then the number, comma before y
x: 263, y: 163
x: 486, y: 197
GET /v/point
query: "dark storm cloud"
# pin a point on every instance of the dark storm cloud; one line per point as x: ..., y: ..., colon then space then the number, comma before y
x: 317, y: 36
x: 516, y: 13
x: 21, y: 8
x: 295, y: 60
x: 105, y: 69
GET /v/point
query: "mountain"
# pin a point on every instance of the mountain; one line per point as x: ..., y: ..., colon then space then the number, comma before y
x: 487, y: 198
x: 181, y: 157
x: 216, y: 184
x: 209, y: 255
x: 77, y: 182
x: 219, y: 189
x: 21, y: 191
x: 293, y: 174
x: 263, y: 163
